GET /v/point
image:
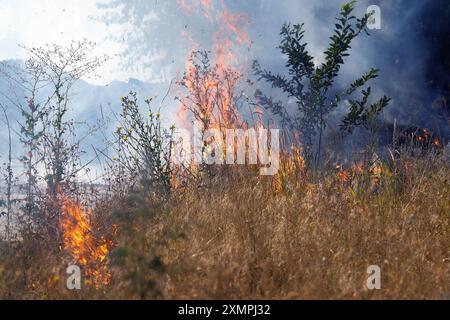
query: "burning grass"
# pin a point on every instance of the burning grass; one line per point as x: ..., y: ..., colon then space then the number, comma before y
x: 228, y: 233
x: 240, y: 238
x: 242, y: 241
x: 87, y: 250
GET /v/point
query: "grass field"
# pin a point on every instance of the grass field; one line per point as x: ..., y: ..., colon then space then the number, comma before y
x: 245, y: 237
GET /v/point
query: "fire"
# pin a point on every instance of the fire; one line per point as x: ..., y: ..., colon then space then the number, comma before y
x: 292, y: 171
x: 423, y: 136
x: 88, y: 251
x: 211, y: 92
x: 209, y: 89
x: 436, y: 142
x: 192, y: 6
x: 344, y: 176
x: 236, y: 23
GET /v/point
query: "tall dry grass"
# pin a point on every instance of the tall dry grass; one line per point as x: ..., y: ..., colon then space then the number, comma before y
x: 242, y: 241
x: 238, y: 239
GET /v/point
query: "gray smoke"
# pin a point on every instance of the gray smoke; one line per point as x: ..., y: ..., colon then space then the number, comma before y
x: 398, y: 49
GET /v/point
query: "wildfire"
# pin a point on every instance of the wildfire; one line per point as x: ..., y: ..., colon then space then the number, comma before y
x: 344, y: 176
x: 87, y: 250
x: 208, y: 91
x: 423, y: 136
x: 375, y: 172
x: 211, y: 92
x: 292, y: 170
x: 192, y: 6
x: 436, y: 142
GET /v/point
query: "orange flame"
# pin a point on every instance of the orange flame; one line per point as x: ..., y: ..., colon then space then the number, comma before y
x: 436, y: 142
x: 344, y: 176
x: 212, y: 91
x: 191, y: 6
x: 88, y: 250
x: 215, y: 90
x: 292, y: 171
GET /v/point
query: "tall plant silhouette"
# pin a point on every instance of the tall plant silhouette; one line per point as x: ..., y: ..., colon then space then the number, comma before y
x: 310, y: 86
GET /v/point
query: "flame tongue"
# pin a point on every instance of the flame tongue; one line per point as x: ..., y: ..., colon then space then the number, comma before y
x: 87, y: 250
x: 216, y: 89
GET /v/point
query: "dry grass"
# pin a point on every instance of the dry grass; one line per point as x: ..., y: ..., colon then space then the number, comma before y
x: 238, y: 239
x: 243, y: 242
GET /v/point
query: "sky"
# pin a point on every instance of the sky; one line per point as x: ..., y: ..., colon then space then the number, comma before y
x: 144, y: 38
x: 37, y: 22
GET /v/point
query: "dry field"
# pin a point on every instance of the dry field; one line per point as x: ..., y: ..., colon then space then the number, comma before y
x: 245, y: 237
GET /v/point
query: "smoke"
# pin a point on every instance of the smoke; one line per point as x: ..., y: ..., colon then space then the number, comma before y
x: 412, y: 67
x: 401, y: 50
